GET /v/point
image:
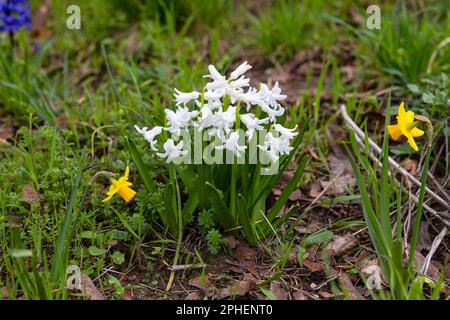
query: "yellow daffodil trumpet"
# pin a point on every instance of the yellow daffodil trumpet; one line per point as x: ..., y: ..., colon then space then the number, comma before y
x: 406, y: 126
x: 121, y: 186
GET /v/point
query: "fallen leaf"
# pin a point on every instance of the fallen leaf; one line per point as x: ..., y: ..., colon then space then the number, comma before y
x: 244, y: 253
x: 278, y: 290
x: 315, y: 190
x: 296, y: 195
x: 203, y: 283
x: 241, y: 288
x: 346, y: 282
x: 29, y: 195
x: 192, y: 296
x: 341, y: 244
x: 341, y: 172
x: 313, y: 266
x: 297, y: 295
x: 423, y: 240
x: 89, y: 289
x: 232, y: 242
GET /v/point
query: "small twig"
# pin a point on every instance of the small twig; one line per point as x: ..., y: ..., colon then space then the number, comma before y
x: 179, y: 267
x: 392, y: 162
x: 436, y: 242
x: 413, y: 197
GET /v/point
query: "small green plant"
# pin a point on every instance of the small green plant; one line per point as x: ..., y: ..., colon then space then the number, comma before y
x: 379, y: 197
x: 214, y: 241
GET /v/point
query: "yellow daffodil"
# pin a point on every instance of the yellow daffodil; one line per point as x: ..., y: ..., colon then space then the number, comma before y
x: 121, y: 186
x: 405, y: 127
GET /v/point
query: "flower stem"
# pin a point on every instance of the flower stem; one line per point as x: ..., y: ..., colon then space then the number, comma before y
x: 180, y: 226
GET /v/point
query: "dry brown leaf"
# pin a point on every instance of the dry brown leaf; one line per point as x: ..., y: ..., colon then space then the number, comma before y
x: 423, y: 240
x: 346, y: 281
x: 29, y: 195
x: 298, y: 295
x: 232, y: 242
x: 411, y: 166
x: 296, y: 195
x: 244, y: 253
x: 315, y: 190
x: 313, y: 266
x: 241, y: 288
x: 6, y: 131
x: 89, y: 289
x: 341, y: 172
x: 341, y: 244
x: 193, y: 296
x: 277, y: 289
x: 203, y: 284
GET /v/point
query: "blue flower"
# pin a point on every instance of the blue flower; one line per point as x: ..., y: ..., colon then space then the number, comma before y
x: 14, y: 14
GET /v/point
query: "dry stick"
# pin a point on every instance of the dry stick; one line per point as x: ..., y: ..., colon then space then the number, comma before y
x: 392, y: 162
x: 436, y: 242
x: 413, y: 197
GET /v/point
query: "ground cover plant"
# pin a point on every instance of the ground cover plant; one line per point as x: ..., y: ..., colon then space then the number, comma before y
x: 191, y: 149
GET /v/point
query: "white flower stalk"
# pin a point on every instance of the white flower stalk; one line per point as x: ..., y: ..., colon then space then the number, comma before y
x: 150, y: 135
x: 172, y: 151
x: 252, y: 123
x: 216, y: 112
x: 232, y: 144
x: 185, y: 97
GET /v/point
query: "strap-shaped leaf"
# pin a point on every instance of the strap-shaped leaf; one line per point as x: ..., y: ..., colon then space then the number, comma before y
x: 244, y: 218
x: 219, y: 207
x: 141, y: 167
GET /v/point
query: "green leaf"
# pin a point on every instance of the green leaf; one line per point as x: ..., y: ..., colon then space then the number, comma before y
x: 88, y: 235
x: 318, y: 238
x: 20, y: 253
x: 244, y: 218
x: 269, y: 294
x: 96, y: 251
x: 118, y: 257
x: 219, y: 207
x: 141, y: 167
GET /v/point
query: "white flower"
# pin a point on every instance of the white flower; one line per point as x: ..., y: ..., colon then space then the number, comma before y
x: 206, y: 119
x: 185, y: 97
x: 179, y: 120
x: 272, y: 113
x: 285, y: 132
x: 272, y: 97
x: 243, y: 68
x: 172, y: 151
x: 252, y: 123
x: 224, y: 121
x: 275, y: 147
x: 150, y: 135
x: 219, y: 81
x: 252, y: 97
x: 232, y: 144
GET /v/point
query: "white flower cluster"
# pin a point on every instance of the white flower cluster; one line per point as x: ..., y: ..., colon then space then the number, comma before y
x: 215, y: 110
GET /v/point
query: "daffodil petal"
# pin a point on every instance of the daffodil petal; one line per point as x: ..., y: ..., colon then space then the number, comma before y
x: 401, y: 109
x: 416, y: 132
x: 394, y: 131
x: 127, y: 194
x: 411, y: 142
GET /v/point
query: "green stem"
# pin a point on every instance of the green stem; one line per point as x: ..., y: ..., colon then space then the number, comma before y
x: 174, y: 180
x: 423, y: 182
